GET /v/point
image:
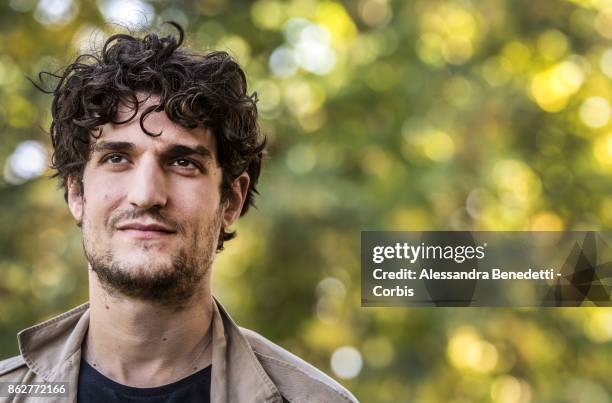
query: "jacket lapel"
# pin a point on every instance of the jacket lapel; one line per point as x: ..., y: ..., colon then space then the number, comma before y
x: 52, y: 349
x: 237, y: 374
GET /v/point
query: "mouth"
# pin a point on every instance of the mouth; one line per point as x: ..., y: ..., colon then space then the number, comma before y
x: 146, y: 231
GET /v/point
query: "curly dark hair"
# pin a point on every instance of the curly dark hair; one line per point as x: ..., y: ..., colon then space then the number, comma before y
x: 207, y: 90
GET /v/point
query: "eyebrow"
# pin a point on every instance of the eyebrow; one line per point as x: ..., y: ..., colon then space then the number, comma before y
x: 181, y: 150
x: 172, y: 151
x: 113, y: 146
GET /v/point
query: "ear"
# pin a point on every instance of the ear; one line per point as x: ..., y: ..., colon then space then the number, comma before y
x: 75, y: 199
x: 235, y: 200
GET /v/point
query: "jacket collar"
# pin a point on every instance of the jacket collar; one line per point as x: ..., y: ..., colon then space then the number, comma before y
x: 52, y: 350
x: 237, y: 375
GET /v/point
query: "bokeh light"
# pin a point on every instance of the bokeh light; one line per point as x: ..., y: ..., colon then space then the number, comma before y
x: 595, y: 112
x: 131, y: 13
x: 346, y: 362
x: 29, y: 160
x: 553, y: 87
x: 55, y: 12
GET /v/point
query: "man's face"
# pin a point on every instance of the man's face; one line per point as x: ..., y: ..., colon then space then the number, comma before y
x: 151, y: 208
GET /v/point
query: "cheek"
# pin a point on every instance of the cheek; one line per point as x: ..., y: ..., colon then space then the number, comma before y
x: 97, y: 200
x: 195, y: 199
x: 200, y: 216
x: 97, y: 206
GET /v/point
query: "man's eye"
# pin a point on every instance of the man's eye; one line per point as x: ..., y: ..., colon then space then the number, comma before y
x: 184, y: 163
x: 114, y: 159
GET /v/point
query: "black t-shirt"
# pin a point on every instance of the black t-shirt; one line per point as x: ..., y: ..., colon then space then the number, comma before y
x: 96, y: 388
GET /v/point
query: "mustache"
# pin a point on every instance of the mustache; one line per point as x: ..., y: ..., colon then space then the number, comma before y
x: 151, y: 213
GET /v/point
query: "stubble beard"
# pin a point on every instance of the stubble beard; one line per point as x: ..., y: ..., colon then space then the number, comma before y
x: 170, y: 285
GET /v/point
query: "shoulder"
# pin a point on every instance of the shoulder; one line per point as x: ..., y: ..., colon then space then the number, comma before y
x: 296, y: 379
x: 12, y: 369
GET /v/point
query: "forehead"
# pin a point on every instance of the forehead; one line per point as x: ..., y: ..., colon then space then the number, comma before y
x: 156, y: 122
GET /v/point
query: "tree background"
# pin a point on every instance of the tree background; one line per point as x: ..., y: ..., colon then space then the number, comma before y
x: 394, y: 115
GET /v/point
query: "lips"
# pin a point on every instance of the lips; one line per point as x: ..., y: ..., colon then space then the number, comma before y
x: 146, y: 230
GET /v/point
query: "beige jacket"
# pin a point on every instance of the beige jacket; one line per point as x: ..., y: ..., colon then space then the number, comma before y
x: 246, y: 367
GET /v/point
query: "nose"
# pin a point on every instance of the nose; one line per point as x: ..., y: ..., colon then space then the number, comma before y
x: 148, y: 185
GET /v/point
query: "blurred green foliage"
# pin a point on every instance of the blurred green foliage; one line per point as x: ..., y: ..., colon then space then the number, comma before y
x: 396, y: 115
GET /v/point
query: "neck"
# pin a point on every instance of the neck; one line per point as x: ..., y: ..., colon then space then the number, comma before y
x: 142, y: 344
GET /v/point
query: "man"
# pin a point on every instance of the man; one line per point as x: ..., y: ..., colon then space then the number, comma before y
x: 159, y: 153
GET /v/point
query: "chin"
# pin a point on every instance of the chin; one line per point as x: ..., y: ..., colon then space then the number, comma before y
x: 142, y: 265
